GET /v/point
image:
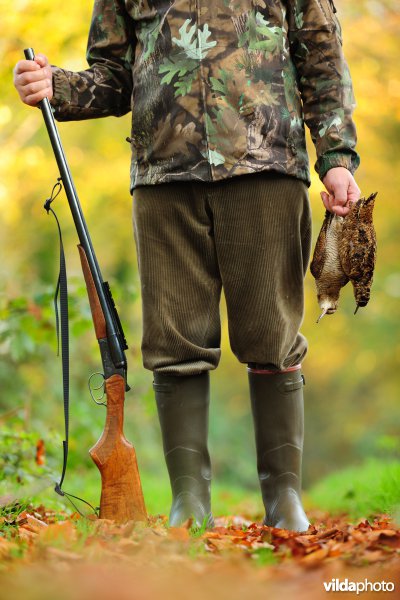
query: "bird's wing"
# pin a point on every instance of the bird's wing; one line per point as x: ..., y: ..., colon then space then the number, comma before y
x: 345, y: 249
x: 358, y: 244
x: 319, y: 256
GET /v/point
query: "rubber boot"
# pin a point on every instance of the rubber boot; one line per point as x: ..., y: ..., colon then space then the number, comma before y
x: 278, y: 415
x: 182, y: 403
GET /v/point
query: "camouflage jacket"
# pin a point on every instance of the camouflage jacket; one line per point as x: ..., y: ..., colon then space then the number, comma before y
x: 217, y: 88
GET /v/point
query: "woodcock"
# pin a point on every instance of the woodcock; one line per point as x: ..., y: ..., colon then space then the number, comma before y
x: 345, y: 251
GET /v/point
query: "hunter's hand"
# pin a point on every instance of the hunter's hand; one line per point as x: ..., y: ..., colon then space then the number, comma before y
x: 342, y: 189
x: 33, y: 80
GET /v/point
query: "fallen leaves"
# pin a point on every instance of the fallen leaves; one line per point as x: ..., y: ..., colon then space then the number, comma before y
x: 30, y: 523
x: 7, y: 549
x: 356, y: 545
x: 98, y: 558
x: 49, y: 535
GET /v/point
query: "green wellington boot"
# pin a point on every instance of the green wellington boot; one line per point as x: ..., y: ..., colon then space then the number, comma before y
x: 278, y: 415
x: 182, y: 403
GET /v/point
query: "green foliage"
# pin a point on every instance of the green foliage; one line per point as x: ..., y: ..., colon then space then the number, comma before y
x: 27, y: 325
x: 193, y: 41
x: 299, y: 19
x: 17, y: 459
x: 221, y: 87
x: 181, y: 66
x: 259, y: 35
x: 192, y: 46
x: 8, y: 516
x: 264, y: 557
x: 150, y: 36
x: 183, y: 86
x: 361, y: 491
x: 196, y: 531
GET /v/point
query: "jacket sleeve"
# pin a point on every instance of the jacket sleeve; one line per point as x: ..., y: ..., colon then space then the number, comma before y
x: 324, y: 81
x: 106, y: 87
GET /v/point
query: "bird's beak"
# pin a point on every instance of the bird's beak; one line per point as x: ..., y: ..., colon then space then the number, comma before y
x: 322, y: 314
x: 357, y: 307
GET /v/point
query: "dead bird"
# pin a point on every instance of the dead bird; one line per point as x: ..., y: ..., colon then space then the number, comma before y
x: 345, y: 251
x: 326, y: 267
x: 357, y: 250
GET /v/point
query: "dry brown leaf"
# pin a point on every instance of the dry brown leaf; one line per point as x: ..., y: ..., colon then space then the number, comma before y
x: 6, y: 548
x: 180, y: 534
x: 57, y: 554
x: 217, y: 532
x: 40, y: 457
x: 357, y: 536
x: 373, y: 556
x: 364, y: 525
x: 127, y: 529
x: 128, y: 546
x: 327, y: 533
x: 25, y: 534
x: 62, y: 531
x: 382, y: 533
x: 315, y: 558
x: 30, y: 522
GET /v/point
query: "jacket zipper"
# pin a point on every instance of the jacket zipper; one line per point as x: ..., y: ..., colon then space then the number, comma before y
x: 203, y: 92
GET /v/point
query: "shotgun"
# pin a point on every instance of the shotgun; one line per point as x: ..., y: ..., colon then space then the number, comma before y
x: 121, y: 491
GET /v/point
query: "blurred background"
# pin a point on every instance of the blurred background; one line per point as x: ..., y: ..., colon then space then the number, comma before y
x: 352, y: 368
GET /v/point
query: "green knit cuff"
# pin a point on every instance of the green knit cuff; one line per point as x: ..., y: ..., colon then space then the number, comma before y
x: 350, y: 160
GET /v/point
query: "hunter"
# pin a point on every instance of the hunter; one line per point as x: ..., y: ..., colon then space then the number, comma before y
x: 219, y: 92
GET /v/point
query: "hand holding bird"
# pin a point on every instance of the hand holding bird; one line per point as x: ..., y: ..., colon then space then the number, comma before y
x: 343, y: 191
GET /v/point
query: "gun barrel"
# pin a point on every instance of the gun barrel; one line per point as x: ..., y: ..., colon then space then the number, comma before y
x: 113, y: 334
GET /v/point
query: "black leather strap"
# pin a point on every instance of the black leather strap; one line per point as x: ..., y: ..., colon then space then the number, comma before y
x: 62, y: 328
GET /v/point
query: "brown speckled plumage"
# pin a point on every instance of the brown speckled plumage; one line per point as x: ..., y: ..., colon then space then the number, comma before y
x: 358, y: 248
x: 326, y: 266
x: 345, y: 250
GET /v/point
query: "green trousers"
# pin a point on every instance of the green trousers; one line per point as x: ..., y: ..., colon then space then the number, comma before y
x: 249, y: 235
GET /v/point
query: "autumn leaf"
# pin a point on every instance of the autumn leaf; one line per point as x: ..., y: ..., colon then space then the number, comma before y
x: 64, y: 531
x: 40, y: 457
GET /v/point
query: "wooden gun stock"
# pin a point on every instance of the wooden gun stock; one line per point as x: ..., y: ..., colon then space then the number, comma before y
x: 121, y: 490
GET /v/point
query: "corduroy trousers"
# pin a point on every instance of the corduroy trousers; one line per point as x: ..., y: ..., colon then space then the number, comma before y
x: 249, y: 235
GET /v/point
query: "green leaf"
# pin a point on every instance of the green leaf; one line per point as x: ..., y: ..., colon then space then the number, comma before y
x: 334, y: 121
x: 203, y: 44
x: 186, y: 41
x: 215, y: 158
x: 170, y: 70
x: 299, y: 20
x: 218, y: 85
x: 211, y: 130
x: 183, y: 86
x: 243, y: 38
x: 150, y: 36
x: 193, y: 41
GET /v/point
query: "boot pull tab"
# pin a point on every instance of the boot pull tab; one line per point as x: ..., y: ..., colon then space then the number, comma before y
x: 289, y: 386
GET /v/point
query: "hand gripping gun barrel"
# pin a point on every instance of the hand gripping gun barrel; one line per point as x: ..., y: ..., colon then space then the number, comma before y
x: 121, y: 491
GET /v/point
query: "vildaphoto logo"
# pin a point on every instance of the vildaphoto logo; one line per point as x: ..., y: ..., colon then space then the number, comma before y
x: 344, y: 585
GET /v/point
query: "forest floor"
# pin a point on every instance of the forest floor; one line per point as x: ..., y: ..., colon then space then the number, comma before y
x: 50, y: 555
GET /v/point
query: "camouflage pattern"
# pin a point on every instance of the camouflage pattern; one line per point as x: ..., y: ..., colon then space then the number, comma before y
x: 217, y: 88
